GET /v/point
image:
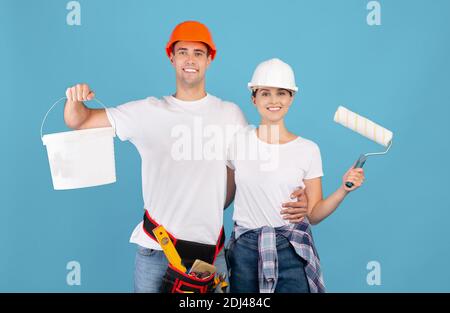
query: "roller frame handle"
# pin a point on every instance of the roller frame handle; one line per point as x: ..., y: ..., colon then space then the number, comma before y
x: 360, y: 163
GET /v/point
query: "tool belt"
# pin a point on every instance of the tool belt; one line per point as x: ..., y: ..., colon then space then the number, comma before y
x: 176, y: 281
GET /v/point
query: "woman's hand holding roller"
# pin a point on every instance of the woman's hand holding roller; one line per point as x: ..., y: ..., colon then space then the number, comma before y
x: 355, y: 176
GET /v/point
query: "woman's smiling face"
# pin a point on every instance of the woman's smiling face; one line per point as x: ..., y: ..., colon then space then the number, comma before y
x: 272, y: 103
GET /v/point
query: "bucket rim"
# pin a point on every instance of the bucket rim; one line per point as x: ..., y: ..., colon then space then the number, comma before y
x: 77, y: 134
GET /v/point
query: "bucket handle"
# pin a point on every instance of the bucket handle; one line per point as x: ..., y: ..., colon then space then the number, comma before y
x: 51, y: 108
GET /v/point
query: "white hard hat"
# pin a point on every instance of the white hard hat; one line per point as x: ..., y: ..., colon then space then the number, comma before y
x: 273, y: 73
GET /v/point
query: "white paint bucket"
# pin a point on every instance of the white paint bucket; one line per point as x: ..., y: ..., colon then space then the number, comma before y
x: 80, y: 158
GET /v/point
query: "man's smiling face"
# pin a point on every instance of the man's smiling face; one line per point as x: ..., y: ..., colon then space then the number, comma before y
x: 190, y: 60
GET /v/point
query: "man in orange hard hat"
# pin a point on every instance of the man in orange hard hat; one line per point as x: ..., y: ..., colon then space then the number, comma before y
x: 186, y: 185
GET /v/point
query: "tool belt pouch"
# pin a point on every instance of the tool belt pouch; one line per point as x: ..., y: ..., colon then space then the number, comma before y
x: 175, y: 281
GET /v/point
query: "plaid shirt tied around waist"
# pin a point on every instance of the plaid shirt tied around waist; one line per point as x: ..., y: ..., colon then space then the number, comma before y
x: 300, y: 237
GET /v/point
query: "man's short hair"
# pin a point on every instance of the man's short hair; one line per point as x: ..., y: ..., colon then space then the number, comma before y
x: 208, y: 49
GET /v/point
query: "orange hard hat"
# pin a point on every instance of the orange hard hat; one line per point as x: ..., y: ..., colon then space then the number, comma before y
x: 191, y: 31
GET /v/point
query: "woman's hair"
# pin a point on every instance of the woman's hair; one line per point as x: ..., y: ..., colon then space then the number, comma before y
x: 254, y: 91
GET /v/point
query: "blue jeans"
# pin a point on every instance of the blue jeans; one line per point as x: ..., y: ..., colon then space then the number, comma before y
x: 150, y: 266
x: 243, y: 258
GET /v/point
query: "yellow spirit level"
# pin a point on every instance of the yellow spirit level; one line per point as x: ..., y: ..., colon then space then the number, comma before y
x: 169, y: 249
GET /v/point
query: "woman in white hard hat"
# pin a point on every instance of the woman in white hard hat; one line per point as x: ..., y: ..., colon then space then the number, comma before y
x: 267, y: 253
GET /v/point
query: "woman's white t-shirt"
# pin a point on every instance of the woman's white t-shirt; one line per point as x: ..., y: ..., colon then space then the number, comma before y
x: 267, y: 174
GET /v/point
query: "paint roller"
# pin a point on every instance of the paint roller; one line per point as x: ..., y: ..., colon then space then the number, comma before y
x: 366, y: 128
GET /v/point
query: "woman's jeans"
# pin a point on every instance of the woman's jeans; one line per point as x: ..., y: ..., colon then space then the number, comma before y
x: 151, y: 265
x: 243, y: 258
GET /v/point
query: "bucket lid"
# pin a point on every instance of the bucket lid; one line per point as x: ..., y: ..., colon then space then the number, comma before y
x: 75, y: 135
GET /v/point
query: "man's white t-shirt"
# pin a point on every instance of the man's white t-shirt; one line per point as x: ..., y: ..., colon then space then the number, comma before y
x: 183, y: 147
x: 267, y: 174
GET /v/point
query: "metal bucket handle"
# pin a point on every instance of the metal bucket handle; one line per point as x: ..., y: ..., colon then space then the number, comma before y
x: 51, y: 108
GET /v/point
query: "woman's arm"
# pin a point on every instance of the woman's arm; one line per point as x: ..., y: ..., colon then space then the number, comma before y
x: 318, y: 208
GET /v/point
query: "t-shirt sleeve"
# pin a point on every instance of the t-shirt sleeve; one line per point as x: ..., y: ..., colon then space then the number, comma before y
x: 315, y: 166
x: 125, y: 120
x: 231, y: 153
x: 240, y: 122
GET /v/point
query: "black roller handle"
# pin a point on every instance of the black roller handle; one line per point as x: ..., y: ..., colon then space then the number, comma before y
x: 360, y: 163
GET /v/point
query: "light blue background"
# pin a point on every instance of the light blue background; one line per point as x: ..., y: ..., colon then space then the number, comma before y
x: 397, y: 74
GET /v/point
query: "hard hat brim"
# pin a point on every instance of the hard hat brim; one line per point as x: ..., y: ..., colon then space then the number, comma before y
x: 252, y: 87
